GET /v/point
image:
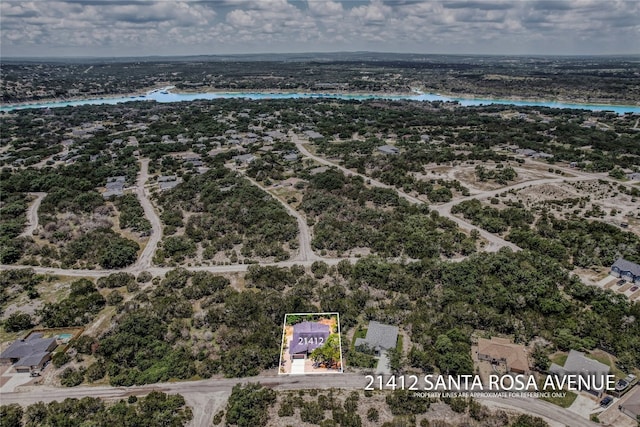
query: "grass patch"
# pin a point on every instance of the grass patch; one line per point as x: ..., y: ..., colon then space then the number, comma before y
x: 559, y: 358
x: 563, y: 402
x: 9, y: 336
x: 360, y: 333
x: 399, y: 347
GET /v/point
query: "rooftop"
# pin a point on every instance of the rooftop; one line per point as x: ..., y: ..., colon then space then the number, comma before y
x: 307, y: 336
x: 388, y: 149
x: 515, y: 355
x: 24, y: 352
x: 578, y: 363
x: 624, y: 265
x: 379, y: 336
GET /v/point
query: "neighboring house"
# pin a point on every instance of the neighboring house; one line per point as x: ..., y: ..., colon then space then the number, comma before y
x: 30, y: 353
x: 501, y: 350
x: 388, y: 149
x: 312, y: 134
x: 167, y: 182
x: 114, y: 186
x: 578, y: 363
x: 193, y: 159
x: 630, y: 271
x: 244, y: 158
x: 631, y: 405
x: 379, y: 338
x: 290, y: 157
x: 307, y: 336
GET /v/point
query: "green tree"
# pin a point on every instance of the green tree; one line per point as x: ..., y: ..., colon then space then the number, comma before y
x: 18, y: 321
x: 328, y: 353
x: 11, y: 415
x: 248, y: 405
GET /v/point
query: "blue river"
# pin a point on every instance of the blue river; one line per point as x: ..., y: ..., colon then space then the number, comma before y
x: 164, y: 95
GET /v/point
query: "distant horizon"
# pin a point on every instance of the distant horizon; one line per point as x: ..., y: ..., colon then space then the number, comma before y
x: 328, y: 53
x: 127, y: 28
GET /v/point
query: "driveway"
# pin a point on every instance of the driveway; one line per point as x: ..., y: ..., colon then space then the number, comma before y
x: 15, y: 379
x: 383, y: 365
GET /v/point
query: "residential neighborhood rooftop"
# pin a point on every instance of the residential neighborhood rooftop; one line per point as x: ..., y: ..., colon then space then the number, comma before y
x: 379, y: 336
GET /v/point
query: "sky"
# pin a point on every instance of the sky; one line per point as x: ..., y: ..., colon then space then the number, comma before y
x: 194, y: 27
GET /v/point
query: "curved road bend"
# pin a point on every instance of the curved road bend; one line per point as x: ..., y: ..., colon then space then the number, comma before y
x: 304, y: 232
x: 495, y: 242
x: 145, y: 258
x: 32, y: 215
x: 204, y: 390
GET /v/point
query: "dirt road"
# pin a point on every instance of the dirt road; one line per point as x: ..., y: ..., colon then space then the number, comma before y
x: 160, y: 271
x: 32, y: 214
x: 495, y: 242
x: 144, y: 261
x: 305, y: 252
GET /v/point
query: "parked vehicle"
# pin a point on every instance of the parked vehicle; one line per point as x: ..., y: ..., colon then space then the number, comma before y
x: 606, y: 401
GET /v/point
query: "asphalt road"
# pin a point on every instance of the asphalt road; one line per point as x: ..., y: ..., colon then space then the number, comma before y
x: 208, y: 396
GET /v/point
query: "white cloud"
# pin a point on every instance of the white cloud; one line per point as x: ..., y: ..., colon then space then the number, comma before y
x: 325, y: 8
x: 178, y: 27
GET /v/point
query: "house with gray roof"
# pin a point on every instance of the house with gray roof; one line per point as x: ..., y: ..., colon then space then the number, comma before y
x: 290, y: 157
x: 312, y: 134
x: 630, y: 271
x: 114, y: 186
x: 388, y: 149
x: 30, y: 353
x: 379, y: 338
x: 167, y: 182
x: 244, y: 158
x: 578, y: 363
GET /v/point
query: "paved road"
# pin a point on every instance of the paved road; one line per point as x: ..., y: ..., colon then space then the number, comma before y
x: 495, y: 242
x: 32, y: 215
x: 145, y: 258
x: 554, y: 415
x: 305, y: 252
x: 207, y: 396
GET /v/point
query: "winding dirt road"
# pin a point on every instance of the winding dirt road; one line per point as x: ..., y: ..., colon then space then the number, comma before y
x: 495, y: 242
x: 305, y: 252
x: 32, y: 214
x: 145, y: 258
